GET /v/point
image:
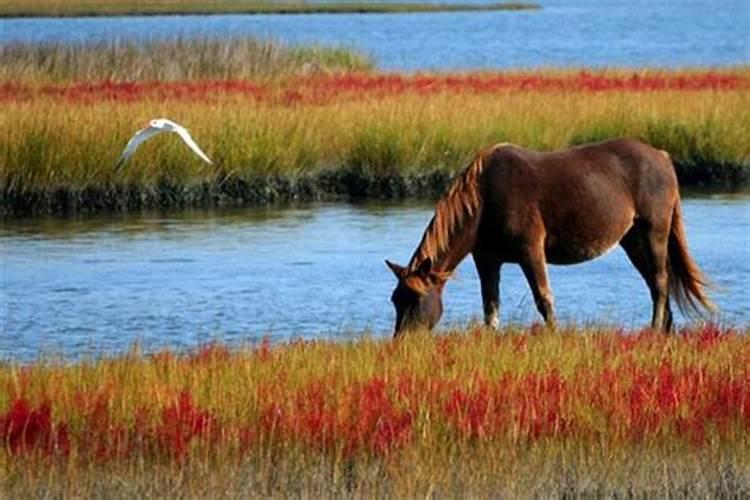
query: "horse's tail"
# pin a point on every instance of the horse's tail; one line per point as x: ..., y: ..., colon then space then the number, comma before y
x: 686, y: 281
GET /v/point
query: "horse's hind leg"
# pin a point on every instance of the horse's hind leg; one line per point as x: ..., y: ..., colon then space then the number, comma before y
x: 647, y: 250
x: 489, y: 277
x: 534, y: 267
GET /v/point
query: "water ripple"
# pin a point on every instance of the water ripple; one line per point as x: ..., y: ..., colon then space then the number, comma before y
x: 311, y: 272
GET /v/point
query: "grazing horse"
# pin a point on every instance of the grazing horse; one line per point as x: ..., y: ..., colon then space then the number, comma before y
x: 530, y: 208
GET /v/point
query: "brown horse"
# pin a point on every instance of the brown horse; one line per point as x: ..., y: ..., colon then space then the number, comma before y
x: 515, y: 205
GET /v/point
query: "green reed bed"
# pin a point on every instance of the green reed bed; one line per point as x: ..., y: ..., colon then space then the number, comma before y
x: 514, y: 413
x: 69, y: 8
x: 57, y: 150
x: 171, y: 60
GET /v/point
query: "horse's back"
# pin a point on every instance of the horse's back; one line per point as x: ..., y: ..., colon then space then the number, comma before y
x: 617, y: 165
x: 582, y: 199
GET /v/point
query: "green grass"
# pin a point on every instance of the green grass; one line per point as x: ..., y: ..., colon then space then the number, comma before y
x: 57, y: 155
x: 180, y: 59
x: 65, y: 8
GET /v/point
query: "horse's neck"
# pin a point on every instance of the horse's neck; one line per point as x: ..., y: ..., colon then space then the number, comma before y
x: 456, y: 244
x: 452, y: 231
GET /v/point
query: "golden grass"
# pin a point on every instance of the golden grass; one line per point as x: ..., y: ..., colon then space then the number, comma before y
x: 48, y: 143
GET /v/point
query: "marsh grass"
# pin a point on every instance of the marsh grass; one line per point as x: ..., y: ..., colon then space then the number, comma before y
x: 397, y: 146
x: 463, y: 413
x: 539, y: 471
x: 171, y: 60
x: 16, y: 8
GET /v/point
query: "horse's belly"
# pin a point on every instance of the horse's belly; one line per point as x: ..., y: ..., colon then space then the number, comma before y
x: 576, y: 252
x: 569, y: 245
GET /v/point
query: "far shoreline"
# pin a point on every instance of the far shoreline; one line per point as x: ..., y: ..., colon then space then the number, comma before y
x: 225, y: 7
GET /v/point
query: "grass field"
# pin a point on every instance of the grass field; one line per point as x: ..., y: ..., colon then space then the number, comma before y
x: 357, y: 135
x: 16, y: 8
x: 466, y: 413
x: 299, y: 123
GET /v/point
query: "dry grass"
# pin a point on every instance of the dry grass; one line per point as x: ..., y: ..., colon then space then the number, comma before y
x: 180, y: 59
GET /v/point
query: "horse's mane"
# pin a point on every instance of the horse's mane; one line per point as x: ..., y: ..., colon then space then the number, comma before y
x: 460, y: 203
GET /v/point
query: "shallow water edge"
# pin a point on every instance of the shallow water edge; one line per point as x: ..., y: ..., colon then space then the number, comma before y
x: 347, y: 184
x: 99, y: 283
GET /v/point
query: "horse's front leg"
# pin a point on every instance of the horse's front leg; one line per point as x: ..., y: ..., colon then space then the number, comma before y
x: 489, y: 276
x: 534, y: 266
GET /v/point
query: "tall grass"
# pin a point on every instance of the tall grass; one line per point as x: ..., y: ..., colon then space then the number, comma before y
x: 48, y: 144
x: 16, y: 8
x: 572, y: 412
x: 170, y: 60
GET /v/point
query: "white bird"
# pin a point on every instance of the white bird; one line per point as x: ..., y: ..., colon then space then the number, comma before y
x: 157, y: 127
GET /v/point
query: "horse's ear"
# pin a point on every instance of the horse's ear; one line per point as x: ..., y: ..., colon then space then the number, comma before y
x: 425, y: 268
x: 399, y: 271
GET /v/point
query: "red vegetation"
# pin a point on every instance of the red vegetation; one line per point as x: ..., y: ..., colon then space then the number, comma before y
x: 323, y: 89
x: 183, y: 423
x: 26, y: 429
x: 102, y: 437
x: 374, y: 423
x: 210, y: 353
x: 628, y: 401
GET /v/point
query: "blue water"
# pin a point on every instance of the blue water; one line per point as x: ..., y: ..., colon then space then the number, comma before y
x: 632, y: 33
x: 99, y: 284
x: 74, y: 286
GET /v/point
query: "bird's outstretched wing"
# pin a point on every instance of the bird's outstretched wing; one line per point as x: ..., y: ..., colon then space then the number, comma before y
x: 157, y: 127
x: 185, y: 135
x: 139, y: 138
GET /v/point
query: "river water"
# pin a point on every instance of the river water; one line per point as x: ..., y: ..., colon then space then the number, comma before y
x: 99, y: 284
x: 564, y: 33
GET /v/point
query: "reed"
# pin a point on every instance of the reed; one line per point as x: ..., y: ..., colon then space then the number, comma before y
x: 472, y: 412
x: 65, y: 8
x: 58, y: 148
x: 170, y: 60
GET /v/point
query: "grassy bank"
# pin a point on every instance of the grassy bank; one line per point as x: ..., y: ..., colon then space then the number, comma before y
x: 299, y: 123
x: 70, y: 8
x: 172, y: 60
x: 346, y: 136
x: 572, y: 412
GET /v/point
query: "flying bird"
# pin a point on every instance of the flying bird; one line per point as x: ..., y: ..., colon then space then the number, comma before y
x: 157, y: 127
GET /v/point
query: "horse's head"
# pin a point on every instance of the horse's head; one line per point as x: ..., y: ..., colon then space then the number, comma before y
x: 418, y: 296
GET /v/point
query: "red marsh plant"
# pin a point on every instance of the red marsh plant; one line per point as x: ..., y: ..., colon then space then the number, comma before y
x: 381, y: 399
x: 26, y: 428
x: 181, y: 423
x: 327, y: 88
